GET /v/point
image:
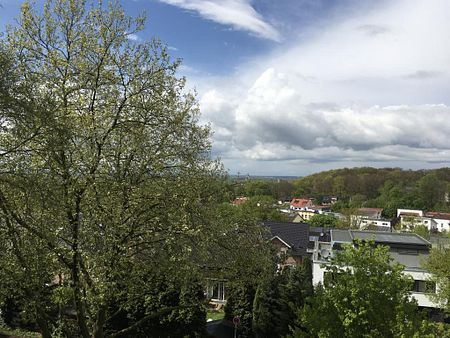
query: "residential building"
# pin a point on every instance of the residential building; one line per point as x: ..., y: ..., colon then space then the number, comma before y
x: 433, y: 221
x: 438, y: 221
x: 364, y: 216
x: 405, y: 248
x: 374, y: 213
x: 290, y: 239
x: 300, y: 203
x: 380, y: 224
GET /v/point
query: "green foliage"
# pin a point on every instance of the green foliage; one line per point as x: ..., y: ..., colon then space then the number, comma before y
x: 438, y: 263
x: 278, y: 297
x: 257, y: 208
x: 278, y: 190
x: 387, y: 188
x: 326, y: 221
x: 421, y: 230
x: 240, y: 299
x: 365, y: 295
x: 106, y: 179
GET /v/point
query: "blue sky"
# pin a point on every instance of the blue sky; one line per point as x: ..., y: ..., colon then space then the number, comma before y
x: 292, y: 87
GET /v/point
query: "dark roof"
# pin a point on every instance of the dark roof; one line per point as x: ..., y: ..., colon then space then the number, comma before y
x: 321, y: 232
x: 294, y: 234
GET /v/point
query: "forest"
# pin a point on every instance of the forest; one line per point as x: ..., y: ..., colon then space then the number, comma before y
x: 387, y: 188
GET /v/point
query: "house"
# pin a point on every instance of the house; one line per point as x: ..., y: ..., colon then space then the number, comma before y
x: 329, y: 200
x: 380, y: 224
x: 410, y: 218
x: 374, y: 213
x: 304, y: 216
x: 300, y: 203
x: 239, y: 200
x: 433, y: 221
x: 366, y: 214
x: 321, y: 209
x: 405, y: 248
x: 439, y: 221
x: 290, y: 239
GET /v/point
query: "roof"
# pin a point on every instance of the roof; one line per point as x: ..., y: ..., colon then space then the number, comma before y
x: 239, y: 201
x: 296, y: 235
x: 300, y: 202
x: 347, y: 236
x: 414, y: 214
x: 322, y: 233
x: 369, y: 211
x: 438, y: 215
x: 343, y: 236
x: 389, y: 237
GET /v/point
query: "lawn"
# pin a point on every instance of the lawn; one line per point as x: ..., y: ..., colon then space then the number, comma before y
x: 214, y: 315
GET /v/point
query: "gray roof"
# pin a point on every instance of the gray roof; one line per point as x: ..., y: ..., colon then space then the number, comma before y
x: 348, y: 236
x: 391, y: 237
x: 342, y: 236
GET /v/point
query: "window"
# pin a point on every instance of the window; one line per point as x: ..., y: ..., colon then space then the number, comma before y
x: 424, y: 286
x: 216, y: 290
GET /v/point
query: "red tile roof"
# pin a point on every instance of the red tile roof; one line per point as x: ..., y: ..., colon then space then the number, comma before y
x: 438, y: 215
x: 300, y: 202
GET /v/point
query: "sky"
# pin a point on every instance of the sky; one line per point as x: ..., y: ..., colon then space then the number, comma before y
x: 293, y: 87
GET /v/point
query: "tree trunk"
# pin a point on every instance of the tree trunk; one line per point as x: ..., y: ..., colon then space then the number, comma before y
x: 99, y: 323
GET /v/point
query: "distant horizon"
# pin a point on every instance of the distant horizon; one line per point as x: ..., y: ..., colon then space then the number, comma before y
x: 243, y: 175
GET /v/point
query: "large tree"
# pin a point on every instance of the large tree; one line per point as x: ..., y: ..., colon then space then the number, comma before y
x: 105, y: 175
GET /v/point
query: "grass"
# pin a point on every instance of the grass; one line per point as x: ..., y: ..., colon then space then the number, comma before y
x: 215, y: 315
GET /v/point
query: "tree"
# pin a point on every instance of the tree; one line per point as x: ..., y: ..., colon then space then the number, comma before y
x: 364, y: 295
x: 326, y: 221
x: 278, y: 298
x: 438, y: 263
x: 106, y: 184
x: 431, y: 191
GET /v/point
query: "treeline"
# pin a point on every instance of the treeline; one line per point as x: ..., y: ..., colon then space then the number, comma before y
x: 387, y: 188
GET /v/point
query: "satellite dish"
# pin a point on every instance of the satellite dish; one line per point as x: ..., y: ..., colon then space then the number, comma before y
x: 324, y: 253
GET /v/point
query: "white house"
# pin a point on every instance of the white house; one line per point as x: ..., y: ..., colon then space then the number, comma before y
x: 405, y: 248
x: 377, y: 223
x: 439, y: 221
x: 433, y: 221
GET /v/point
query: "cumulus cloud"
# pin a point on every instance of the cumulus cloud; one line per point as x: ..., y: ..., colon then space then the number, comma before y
x: 272, y: 121
x: 239, y: 14
x: 355, y: 93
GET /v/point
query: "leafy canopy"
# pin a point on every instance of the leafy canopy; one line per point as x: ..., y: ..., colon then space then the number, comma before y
x: 106, y: 182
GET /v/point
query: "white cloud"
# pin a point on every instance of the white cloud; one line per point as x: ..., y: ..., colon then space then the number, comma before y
x: 370, y: 89
x: 237, y: 13
x: 133, y: 37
